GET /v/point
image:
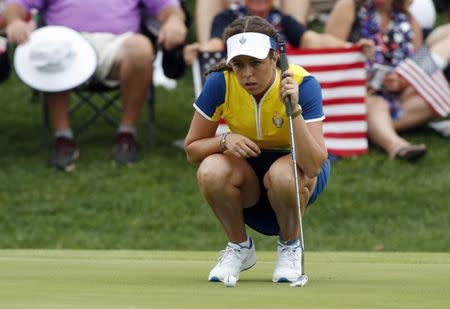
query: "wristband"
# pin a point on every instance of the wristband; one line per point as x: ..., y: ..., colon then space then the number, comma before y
x: 223, y: 140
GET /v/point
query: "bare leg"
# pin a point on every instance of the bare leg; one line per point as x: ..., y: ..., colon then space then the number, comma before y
x: 58, y: 107
x: 133, y: 68
x: 416, y: 111
x: 381, y: 127
x: 229, y: 184
x: 205, y: 10
x: 279, y: 181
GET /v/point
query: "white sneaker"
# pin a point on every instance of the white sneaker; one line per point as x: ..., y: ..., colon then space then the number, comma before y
x: 289, y: 265
x: 232, y: 261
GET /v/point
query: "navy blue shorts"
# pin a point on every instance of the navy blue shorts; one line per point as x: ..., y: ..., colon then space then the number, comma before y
x: 261, y: 216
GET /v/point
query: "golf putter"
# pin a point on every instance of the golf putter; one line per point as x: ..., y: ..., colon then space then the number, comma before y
x: 303, y: 279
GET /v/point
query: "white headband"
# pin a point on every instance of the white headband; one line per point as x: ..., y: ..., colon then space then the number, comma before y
x: 251, y: 44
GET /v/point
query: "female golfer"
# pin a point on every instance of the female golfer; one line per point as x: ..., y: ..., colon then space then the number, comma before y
x: 246, y: 174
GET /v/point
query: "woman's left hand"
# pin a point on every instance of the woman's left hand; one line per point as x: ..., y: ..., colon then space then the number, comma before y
x: 393, y: 82
x: 289, y: 88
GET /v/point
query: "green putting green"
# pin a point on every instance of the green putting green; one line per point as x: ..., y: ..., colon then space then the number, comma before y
x: 167, y: 279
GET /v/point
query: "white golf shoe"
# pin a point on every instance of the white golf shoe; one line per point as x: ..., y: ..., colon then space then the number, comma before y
x: 289, y: 265
x: 232, y: 261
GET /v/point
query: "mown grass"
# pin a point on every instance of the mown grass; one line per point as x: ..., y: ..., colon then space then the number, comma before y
x: 97, y: 279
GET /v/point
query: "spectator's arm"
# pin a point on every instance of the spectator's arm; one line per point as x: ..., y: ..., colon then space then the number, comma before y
x: 299, y: 9
x: 417, y: 38
x: 341, y: 19
x: 205, y: 10
x: 173, y: 28
x: 17, y: 29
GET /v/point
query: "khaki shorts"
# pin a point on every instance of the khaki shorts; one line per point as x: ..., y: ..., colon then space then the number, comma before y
x: 107, y: 45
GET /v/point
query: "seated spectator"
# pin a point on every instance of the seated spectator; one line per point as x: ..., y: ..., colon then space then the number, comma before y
x: 125, y: 59
x: 297, y: 8
x: 393, y: 105
x: 290, y: 30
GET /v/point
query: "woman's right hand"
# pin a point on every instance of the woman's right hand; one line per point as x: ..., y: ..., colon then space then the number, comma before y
x: 241, y: 146
x: 190, y: 53
x: 18, y: 31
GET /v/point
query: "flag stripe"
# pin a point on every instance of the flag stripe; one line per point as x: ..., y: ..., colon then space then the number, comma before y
x: 347, y: 117
x: 357, y: 100
x: 419, y: 82
x: 320, y: 59
x: 334, y: 67
x: 344, y: 109
x: 346, y: 135
x: 348, y: 153
x: 346, y: 144
x: 332, y: 76
x: 344, y: 83
x: 440, y: 95
x: 325, y: 51
x: 345, y: 126
x: 353, y: 92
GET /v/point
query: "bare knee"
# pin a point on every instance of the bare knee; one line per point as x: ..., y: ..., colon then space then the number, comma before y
x: 375, y: 103
x: 279, y: 178
x: 137, y: 49
x: 213, y: 173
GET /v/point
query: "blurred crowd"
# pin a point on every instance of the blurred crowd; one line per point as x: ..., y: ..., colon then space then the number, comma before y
x: 388, y: 32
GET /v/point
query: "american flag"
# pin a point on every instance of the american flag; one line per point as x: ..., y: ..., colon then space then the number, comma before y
x: 342, y: 76
x: 427, y: 79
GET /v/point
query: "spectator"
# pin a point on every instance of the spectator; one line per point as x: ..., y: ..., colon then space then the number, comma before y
x: 395, y: 106
x: 125, y: 59
x: 246, y: 174
x: 297, y: 8
x: 295, y: 33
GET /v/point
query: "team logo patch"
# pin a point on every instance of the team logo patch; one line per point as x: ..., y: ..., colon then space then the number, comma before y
x: 277, y: 120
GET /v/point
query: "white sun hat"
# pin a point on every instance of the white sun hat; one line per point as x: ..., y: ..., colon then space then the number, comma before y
x: 55, y: 59
x: 251, y: 44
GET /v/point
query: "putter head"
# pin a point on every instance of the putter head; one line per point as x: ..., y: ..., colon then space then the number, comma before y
x: 301, y: 281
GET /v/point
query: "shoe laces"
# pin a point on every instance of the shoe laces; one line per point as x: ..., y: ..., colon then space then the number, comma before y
x: 230, y: 256
x: 290, y: 254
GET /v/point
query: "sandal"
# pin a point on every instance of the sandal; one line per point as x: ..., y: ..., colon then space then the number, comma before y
x: 409, y: 152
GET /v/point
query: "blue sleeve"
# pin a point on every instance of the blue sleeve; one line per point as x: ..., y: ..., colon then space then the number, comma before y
x: 310, y: 99
x: 211, y: 96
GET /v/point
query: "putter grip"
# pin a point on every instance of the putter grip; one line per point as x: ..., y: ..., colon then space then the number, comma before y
x: 284, y: 66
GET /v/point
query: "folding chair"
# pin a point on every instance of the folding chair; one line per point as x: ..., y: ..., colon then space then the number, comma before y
x: 101, y: 101
x: 342, y: 77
